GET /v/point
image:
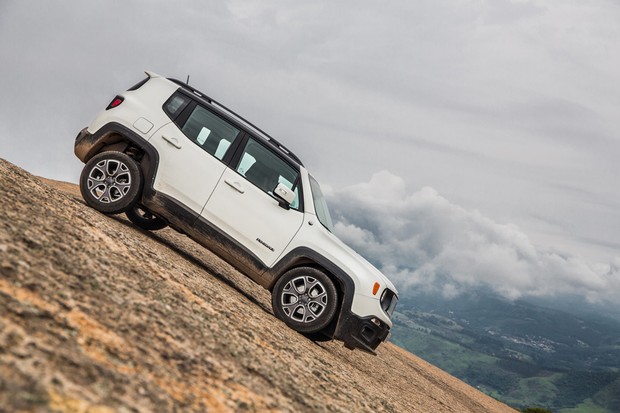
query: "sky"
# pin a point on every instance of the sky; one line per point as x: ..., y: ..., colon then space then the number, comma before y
x: 461, y: 142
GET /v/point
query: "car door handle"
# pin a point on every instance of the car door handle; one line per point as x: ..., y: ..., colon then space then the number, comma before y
x: 172, y: 141
x: 235, y: 185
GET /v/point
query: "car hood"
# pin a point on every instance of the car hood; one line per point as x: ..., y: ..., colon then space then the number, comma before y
x: 364, y: 264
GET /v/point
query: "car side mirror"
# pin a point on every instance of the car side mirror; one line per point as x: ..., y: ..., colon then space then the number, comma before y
x: 284, y: 195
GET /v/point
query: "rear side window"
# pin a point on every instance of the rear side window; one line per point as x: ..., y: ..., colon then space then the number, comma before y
x: 175, y: 105
x: 209, y: 131
x: 265, y: 169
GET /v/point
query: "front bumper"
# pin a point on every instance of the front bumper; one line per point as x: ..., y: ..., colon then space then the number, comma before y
x: 361, y: 332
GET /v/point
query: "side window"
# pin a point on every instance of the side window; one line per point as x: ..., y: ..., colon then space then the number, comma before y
x: 209, y: 131
x: 265, y: 169
x: 175, y: 105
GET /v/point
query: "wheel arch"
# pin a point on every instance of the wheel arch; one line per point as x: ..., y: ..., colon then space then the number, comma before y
x: 116, y: 137
x: 111, y: 182
x: 307, y: 262
x: 306, y: 257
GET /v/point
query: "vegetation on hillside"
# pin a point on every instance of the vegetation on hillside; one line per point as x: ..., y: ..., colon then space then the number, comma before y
x: 522, y: 354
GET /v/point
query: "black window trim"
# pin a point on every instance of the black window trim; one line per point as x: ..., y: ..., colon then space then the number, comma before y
x: 181, y: 118
x: 234, y: 153
x: 233, y: 164
x: 236, y: 120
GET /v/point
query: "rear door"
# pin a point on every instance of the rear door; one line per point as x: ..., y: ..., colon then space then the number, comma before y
x: 244, y: 207
x: 192, y: 150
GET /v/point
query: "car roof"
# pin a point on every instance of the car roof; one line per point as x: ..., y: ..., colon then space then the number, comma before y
x: 240, y: 121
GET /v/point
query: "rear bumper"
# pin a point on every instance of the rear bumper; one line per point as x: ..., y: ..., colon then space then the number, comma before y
x: 364, y: 333
x: 114, y: 136
x: 89, y: 144
x: 83, y: 144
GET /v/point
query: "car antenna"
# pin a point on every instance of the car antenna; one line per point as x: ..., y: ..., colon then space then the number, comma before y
x: 187, y: 81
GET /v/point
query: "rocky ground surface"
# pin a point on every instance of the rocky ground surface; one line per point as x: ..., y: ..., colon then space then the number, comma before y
x: 99, y: 316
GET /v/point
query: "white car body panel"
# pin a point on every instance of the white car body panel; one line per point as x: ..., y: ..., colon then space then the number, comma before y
x: 315, y: 236
x: 135, y: 106
x: 186, y: 172
x: 252, y: 217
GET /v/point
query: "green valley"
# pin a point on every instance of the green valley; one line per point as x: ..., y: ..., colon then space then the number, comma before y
x: 522, y: 354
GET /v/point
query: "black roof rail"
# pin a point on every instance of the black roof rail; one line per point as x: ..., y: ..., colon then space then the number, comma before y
x: 272, y: 140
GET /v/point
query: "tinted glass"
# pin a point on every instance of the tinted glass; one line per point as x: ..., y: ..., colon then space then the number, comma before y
x: 320, y: 205
x: 265, y: 169
x: 210, y: 132
x: 175, y: 105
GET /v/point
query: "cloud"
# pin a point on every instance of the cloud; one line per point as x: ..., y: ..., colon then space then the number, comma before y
x: 514, y: 98
x: 424, y: 241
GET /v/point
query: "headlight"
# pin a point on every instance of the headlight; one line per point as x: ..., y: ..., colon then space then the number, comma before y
x: 388, y: 301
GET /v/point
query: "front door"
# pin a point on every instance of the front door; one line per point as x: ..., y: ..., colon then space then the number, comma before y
x: 243, y: 205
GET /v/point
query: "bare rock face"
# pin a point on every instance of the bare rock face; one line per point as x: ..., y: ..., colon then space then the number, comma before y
x: 99, y: 316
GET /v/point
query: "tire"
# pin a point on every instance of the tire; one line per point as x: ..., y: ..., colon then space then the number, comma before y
x: 111, y: 182
x: 305, y: 299
x: 145, y: 219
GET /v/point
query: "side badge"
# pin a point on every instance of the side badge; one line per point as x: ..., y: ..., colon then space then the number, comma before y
x: 263, y: 243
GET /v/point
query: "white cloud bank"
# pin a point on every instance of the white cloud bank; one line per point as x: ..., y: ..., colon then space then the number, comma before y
x: 423, y: 241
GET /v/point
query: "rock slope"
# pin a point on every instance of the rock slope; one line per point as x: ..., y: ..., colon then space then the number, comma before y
x: 99, y: 316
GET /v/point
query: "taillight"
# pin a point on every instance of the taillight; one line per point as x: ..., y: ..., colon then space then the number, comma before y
x: 115, y: 102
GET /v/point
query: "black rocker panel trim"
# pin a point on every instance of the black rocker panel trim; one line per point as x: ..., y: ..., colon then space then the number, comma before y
x: 206, y: 234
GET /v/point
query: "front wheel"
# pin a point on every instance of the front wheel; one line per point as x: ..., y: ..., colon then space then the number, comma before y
x: 111, y: 182
x: 305, y: 299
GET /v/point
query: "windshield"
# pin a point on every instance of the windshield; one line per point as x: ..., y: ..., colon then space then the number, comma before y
x: 320, y: 206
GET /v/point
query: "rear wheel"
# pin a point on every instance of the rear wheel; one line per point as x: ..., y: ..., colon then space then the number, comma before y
x: 144, y: 219
x: 111, y: 182
x: 305, y: 299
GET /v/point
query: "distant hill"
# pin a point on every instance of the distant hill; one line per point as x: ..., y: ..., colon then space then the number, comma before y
x: 521, y: 353
x: 99, y: 316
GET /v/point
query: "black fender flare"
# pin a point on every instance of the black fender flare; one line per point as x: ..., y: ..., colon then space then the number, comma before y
x: 88, y: 145
x: 304, y: 256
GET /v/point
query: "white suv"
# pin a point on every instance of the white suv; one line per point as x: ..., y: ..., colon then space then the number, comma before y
x: 167, y: 154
